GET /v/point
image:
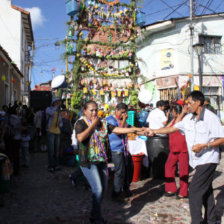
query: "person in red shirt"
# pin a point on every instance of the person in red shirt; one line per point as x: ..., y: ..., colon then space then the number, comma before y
x: 178, y: 154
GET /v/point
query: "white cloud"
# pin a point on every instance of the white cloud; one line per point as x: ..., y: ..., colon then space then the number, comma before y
x: 37, y: 17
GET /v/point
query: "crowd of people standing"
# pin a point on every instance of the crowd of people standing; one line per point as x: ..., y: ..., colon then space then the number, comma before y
x: 195, y: 133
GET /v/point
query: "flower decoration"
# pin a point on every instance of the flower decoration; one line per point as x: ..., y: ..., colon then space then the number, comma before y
x: 3, y: 78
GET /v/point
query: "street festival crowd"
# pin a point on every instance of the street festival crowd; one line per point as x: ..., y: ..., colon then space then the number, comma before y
x: 195, y: 136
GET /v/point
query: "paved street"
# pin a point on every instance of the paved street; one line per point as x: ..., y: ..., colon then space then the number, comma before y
x: 40, y: 197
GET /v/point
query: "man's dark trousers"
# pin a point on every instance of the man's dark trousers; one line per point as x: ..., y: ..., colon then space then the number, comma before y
x: 119, y: 172
x: 201, y: 193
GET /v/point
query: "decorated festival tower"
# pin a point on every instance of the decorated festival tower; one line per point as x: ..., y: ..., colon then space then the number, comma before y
x: 101, y: 40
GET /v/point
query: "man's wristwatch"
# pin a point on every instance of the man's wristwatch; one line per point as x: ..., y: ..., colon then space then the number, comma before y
x: 208, y: 146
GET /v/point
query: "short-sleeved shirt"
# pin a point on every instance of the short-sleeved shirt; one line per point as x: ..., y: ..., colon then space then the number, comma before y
x: 156, y: 118
x: 202, y: 131
x: 81, y: 126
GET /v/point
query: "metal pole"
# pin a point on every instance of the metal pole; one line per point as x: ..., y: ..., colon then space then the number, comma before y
x: 200, y: 73
x: 31, y: 64
x: 191, y: 45
x: 66, y: 75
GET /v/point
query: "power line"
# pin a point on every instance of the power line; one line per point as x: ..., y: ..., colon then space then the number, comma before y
x: 207, y: 5
x: 175, y: 9
x: 219, y: 5
x: 149, y: 14
x: 169, y: 6
x: 219, y: 14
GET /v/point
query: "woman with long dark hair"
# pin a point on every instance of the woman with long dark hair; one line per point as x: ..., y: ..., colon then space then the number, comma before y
x: 91, y: 134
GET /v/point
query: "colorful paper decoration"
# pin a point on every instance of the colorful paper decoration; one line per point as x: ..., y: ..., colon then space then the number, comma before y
x: 106, y: 106
x: 2, y: 59
x: 94, y: 91
x: 28, y: 83
x: 110, y: 3
x: 100, y: 113
x: 110, y: 37
x: 113, y: 94
x: 118, y: 93
x: 3, y: 78
x: 197, y: 88
x: 126, y: 92
x: 85, y: 90
x: 101, y: 92
x: 13, y: 80
x: 105, y: 82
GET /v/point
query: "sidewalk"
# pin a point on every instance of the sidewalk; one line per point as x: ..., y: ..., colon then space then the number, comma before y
x: 40, y: 197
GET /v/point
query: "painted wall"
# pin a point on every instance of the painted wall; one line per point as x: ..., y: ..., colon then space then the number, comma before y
x: 10, y: 25
x: 10, y: 82
x: 177, y: 39
x: 14, y: 41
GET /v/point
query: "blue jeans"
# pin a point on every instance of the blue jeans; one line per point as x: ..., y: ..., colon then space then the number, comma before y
x: 97, y: 177
x: 53, y: 149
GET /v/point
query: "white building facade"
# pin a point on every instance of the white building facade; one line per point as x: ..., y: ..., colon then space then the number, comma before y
x: 17, y: 40
x: 165, y: 58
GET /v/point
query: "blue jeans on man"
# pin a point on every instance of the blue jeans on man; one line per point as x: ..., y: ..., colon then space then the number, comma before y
x: 53, y: 150
x: 97, y: 177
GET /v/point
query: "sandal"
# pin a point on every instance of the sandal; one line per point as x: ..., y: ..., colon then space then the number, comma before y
x: 169, y: 194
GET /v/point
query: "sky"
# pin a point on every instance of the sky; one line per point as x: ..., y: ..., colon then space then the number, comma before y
x: 49, y: 26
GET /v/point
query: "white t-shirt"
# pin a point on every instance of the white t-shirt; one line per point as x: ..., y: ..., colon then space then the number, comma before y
x: 156, y: 118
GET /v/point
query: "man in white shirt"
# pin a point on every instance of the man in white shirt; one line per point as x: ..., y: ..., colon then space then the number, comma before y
x: 157, y: 147
x: 157, y: 118
x: 204, y: 134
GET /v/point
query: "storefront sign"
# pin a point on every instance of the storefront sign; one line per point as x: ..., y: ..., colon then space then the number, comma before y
x: 212, y: 80
x: 166, y: 59
x: 167, y: 82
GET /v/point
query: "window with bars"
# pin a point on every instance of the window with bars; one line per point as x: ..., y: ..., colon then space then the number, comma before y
x: 211, y: 44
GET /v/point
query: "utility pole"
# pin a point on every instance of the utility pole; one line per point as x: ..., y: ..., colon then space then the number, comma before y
x: 30, y: 75
x: 192, y: 14
x: 66, y: 76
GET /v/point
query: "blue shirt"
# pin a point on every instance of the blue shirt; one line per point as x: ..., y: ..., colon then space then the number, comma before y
x: 116, y: 141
